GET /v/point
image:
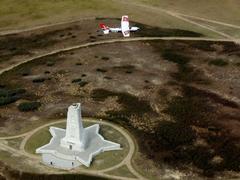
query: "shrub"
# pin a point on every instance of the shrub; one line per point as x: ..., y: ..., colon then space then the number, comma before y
x: 101, y: 70
x: 218, y: 62
x: 175, y: 134
x: 105, y: 58
x: 203, y: 45
x: 8, y: 100
x: 29, y: 106
x: 25, y: 73
x: 107, y: 77
x: 92, y: 37
x: 76, y: 80
x: 38, y: 80
x: 190, y: 109
x: 82, y: 83
x: 78, y: 64
x: 169, y: 55
x: 131, y: 104
x: 128, y: 72
x: 50, y: 63
x: 101, y: 94
x: 9, y: 96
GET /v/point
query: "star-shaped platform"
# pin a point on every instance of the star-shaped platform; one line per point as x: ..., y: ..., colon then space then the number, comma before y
x: 95, y: 145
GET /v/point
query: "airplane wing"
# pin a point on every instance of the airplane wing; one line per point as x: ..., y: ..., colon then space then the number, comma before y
x: 125, y: 26
x: 115, y: 29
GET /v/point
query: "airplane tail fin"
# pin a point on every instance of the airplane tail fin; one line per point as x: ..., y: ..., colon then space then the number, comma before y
x: 103, y: 26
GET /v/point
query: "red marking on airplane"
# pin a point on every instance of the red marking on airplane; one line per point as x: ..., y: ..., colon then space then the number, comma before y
x: 103, y: 26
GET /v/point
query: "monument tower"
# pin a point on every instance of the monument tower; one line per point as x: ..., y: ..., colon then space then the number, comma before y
x: 76, y: 145
x: 75, y: 138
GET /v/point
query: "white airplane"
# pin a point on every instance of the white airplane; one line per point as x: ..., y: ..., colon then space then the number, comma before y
x: 125, y: 29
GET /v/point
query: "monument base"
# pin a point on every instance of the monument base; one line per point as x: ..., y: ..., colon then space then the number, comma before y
x: 53, y: 154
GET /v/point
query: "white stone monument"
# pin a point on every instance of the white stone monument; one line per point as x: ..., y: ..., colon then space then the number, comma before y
x: 75, y: 138
x: 76, y: 145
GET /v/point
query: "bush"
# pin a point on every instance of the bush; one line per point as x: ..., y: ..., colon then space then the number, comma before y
x: 92, y: 37
x: 203, y: 45
x: 50, y: 63
x: 78, y: 64
x: 38, y: 80
x: 105, y: 58
x: 169, y: 55
x: 82, y: 83
x: 8, y: 100
x: 25, y: 73
x: 77, y: 80
x: 107, y: 77
x: 218, y: 62
x: 9, y: 96
x: 29, y: 106
x: 131, y: 104
x: 128, y: 72
x: 174, y: 134
x: 101, y: 70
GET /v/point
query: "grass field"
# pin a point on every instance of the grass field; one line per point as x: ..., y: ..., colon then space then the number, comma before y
x: 230, y: 31
x: 220, y: 10
x: 27, y: 13
x: 224, y: 11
